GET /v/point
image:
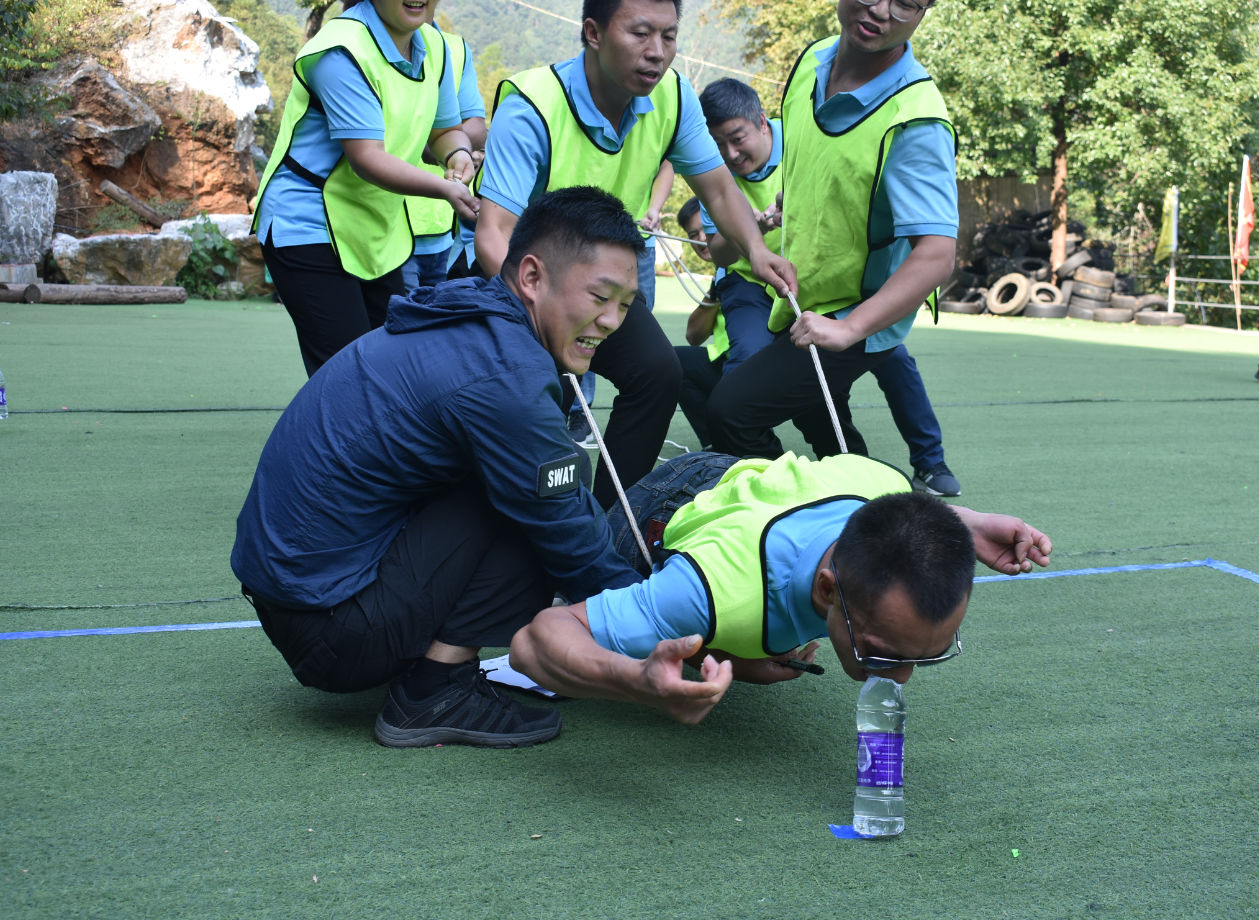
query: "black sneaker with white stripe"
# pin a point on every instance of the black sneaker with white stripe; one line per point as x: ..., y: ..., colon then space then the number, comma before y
x: 939, y: 480
x: 469, y: 710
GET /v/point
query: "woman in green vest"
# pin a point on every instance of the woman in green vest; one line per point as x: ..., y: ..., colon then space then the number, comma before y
x: 372, y: 89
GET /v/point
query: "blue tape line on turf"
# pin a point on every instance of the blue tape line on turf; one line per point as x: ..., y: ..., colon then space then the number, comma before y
x: 848, y: 832
x: 1219, y: 566
x: 1107, y: 570
x: 126, y: 630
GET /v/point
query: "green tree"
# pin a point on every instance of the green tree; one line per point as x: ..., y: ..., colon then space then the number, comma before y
x: 1116, y: 99
x: 314, y: 20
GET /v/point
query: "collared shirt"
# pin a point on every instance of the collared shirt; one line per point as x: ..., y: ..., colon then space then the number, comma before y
x: 292, y: 211
x: 918, y: 188
x: 673, y: 602
x: 518, y: 147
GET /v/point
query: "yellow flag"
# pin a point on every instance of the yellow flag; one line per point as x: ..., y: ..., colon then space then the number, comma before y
x: 1167, y: 241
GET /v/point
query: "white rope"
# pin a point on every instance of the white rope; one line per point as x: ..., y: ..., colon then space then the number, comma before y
x: 817, y: 361
x: 680, y: 271
x: 616, y: 480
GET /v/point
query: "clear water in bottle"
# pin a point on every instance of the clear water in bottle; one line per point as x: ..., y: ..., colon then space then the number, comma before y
x: 879, y: 804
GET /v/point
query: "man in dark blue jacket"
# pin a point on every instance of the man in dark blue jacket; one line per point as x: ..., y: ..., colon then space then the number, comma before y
x: 420, y: 497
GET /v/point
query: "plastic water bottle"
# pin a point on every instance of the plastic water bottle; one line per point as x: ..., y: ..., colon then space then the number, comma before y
x: 878, y: 808
x: 4, y: 405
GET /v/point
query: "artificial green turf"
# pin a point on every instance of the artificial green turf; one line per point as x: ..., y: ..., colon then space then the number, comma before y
x: 1105, y: 726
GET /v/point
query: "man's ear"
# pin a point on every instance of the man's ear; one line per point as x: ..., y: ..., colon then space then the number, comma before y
x: 590, y: 31
x: 530, y: 276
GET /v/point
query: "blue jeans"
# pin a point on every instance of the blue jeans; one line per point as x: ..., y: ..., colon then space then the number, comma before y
x: 654, y: 499
x: 745, y: 307
x: 907, y: 399
x: 425, y: 270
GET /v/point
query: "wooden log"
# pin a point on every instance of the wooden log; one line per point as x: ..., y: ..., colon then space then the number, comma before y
x: 11, y: 293
x: 128, y: 200
x: 103, y: 293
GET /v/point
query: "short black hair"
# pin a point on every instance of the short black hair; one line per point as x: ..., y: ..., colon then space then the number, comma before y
x: 566, y: 224
x: 911, y: 539
x: 688, y: 210
x: 729, y: 98
x: 602, y: 11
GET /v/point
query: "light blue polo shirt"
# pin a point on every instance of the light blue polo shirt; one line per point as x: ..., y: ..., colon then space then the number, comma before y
x: 918, y: 192
x: 292, y: 209
x: 518, y: 147
x: 673, y: 603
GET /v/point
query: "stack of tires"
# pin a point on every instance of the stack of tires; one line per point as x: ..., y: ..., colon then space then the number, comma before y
x: 1009, y: 275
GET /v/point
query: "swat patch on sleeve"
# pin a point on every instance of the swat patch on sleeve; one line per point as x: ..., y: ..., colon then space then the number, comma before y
x: 558, y: 476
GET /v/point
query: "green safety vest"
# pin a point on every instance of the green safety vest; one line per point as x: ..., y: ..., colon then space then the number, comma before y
x: 761, y: 194
x: 367, y: 225
x: 723, y: 531
x: 826, y: 212
x: 433, y: 216
x: 576, y: 159
x: 719, y: 344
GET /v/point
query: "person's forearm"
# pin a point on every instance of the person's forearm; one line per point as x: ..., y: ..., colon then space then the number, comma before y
x: 493, y: 232
x: 558, y: 652
x: 928, y: 265
x: 373, y: 164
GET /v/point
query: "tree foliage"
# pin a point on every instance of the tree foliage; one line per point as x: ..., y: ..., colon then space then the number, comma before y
x: 36, y: 35
x: 1144, y: 94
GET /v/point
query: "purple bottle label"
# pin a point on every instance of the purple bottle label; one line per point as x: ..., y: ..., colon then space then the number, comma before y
x: 880, y: 758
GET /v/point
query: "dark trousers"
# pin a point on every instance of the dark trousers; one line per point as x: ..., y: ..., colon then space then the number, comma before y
x: 639, y: 361
x: 745, y: 307
x: 779, y: 384
x: 699, y: 378
x: 458, y: 572
x: 330, y: 307
x: 907, y: 399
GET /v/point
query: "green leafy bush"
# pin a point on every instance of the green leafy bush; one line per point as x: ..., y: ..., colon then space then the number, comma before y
x: 211, y: 262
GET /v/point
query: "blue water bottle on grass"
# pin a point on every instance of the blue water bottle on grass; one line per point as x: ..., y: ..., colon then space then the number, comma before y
x: 878, y: 808
x: 4, y: 405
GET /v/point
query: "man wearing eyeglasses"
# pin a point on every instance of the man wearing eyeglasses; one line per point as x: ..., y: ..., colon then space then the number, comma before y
x: 760, y: 560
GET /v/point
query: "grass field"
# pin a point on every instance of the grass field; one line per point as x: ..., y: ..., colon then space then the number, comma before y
x: 1103, y: 723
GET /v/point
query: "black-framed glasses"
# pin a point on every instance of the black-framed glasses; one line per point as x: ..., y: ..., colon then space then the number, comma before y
x: 900, y: 10
x: 878, y: 662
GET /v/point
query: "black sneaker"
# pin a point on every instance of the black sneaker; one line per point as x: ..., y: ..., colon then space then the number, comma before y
x: 467, y: 711
x: 579, y: 430
x: 939, y: 480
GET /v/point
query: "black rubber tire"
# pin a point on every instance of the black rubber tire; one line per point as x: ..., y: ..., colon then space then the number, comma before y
x: 1076, y: 311
x: 1091, y: 291
x: 1044, y: 292
x: 1090, y: 275
x: 1112, y: 315
x: 961, y: 306
x: 1151, y: 301
x: 1088, y: 303
x: 1045, y: 310
x: 1034, y: 268
x: 1072, y: 262
x: 1159, y: 318
x: 1123, y: 301
x: 1009, y: 295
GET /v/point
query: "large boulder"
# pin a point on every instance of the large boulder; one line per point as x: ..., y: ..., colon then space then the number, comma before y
x: 105, y: 124
x: 122, y: 258
x: 183, y: 50
x: 174, y: 122
x: 28, y: 202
